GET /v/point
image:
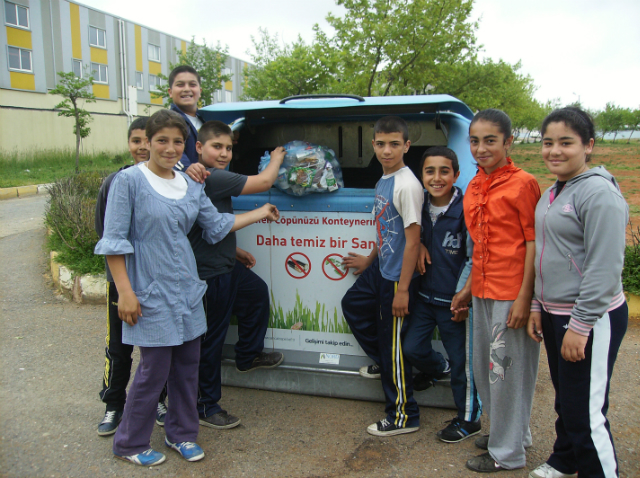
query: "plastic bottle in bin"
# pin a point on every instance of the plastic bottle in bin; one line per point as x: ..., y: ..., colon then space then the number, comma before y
x: 307, y: 168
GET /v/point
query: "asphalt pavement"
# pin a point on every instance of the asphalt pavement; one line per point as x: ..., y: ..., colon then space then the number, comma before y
x: 51, y: 362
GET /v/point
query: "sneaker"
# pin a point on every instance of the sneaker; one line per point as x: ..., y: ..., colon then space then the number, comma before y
x: 221, y: 421
x: 264, y: 360
x: 110, y: 422
x: 484, y: 464
x: 459, y: 430
x: 547, y: 471
x: 370, y: 371
x: 422, y: 381
x: 483, y: 442
x: 386, y: 429
x: 161, y: 412
x: 146, y: 458
x: 189, y: 450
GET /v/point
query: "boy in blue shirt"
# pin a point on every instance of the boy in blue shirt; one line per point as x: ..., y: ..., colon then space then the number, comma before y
x: 185, y: 92
x: 377, y: 306
x: 233, y: 288
x: 444, y: 294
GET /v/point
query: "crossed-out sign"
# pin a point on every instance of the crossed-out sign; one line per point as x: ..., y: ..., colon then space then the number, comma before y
x: 297, y: 265
x: 332, y: 267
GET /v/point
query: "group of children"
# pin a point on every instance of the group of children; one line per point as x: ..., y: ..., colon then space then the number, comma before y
x: 527, y: 266
x: 495, y: 269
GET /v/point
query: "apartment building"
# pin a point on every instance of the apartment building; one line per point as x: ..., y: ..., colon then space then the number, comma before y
x: 43, y: 37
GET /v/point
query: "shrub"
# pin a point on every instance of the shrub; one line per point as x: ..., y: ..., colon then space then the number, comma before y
x: 631, y: 270
x: 70, y: 215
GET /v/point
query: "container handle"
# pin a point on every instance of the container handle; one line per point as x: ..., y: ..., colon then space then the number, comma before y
x: 323, y: 95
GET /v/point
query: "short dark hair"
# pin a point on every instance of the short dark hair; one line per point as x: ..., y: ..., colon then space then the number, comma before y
x: 213, y: 129
x: 391, y: 124
x: 441, y: 151
x: 166, y: 119
x: 574, y: 118
x: 182, y: 69
x: 497, y: 117
x: 138, y: 123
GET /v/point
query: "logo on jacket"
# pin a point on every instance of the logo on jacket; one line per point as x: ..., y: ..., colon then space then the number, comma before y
x: 567, y: 208
x: 452, y: 241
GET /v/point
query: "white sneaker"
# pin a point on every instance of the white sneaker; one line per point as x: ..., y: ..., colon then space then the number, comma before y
x: 547, y: 471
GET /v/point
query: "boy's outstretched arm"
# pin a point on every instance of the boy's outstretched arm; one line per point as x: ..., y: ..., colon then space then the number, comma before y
x: 263, y: 181
x: 519, y: 312
x: 400, y: 305
x: 359, y: 262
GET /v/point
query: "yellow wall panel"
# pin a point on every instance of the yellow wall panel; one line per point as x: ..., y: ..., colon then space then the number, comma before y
x: 99, y: 55
x: 228, y: 85
x: 184, y: 47
x: 101, y: 91
x: 22, y: 81
x: 138, y: 48
x: 156, y: 101
x: 155, y: 68
x: 76, y: 38
x: 20, y: 38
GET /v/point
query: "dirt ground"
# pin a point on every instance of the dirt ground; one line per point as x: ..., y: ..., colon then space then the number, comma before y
x: 51, y: 361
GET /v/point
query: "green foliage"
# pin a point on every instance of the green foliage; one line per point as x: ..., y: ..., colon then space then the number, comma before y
x: 74, y: 90
x: 208, y: 61
x: 303, y: 318
x: 610, y: 120
x: 47, y: 166
x: 631, y: 270
x: 632, y: 120
x: 70, y: 214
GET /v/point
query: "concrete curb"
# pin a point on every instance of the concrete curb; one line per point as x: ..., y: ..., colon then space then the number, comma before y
x: 85, y: 289
x: 24, y: 191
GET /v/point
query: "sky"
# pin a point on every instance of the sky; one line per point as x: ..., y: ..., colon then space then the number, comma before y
x: 586, y: 50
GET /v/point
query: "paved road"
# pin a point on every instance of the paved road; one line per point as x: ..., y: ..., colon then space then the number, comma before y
x: 51, y: 358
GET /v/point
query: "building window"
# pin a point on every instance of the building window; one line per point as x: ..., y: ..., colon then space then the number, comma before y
x: 154, y: 53
x: 97, y: 37
x: 77, y: 68
x: 218, y: 96
x: 19, y: 59
x: 139, y: 82
x: 16, y: 15
x: 99, y: 73
x: 155, y: 83
x: 227, y: 97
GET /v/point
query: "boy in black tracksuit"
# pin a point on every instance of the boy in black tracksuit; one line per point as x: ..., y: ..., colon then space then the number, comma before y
x: 444, y: 294
x: 117, y: 369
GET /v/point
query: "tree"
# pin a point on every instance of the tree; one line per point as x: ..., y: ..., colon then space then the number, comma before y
x: 208, y: 61
x: 610, y: 120
x: 74, y: 90
x: 632, y: 121
x: 380, y: 47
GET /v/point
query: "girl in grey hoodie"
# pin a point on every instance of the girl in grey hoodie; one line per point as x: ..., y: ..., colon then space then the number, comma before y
x: 579, y: 306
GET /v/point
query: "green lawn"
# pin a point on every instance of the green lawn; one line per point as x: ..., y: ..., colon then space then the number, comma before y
x: 46, y: 166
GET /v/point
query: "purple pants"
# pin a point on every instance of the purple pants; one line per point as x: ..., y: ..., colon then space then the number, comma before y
x: 178, y: 367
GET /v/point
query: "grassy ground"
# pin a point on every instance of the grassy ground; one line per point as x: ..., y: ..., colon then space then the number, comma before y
x: 621, y: 159
x: 46, y: 166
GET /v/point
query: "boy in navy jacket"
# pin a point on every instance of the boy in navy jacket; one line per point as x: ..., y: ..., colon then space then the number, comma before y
x: 444, y: 294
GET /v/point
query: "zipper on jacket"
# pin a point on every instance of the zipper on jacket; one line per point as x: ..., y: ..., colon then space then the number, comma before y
x: 544, y: 236
x: 571, y: 261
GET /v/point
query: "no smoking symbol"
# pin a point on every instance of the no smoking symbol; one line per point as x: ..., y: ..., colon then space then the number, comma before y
x: 297, y: 265
x: 332, y: 267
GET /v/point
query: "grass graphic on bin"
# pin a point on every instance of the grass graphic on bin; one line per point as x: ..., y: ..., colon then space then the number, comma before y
x: 303, y: 318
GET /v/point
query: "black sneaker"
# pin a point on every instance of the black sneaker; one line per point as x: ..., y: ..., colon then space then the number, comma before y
x: 370, y: 371
x: 264, y: 360
x: 220, y: 421
x: 422, y: 381
x: 384, y: 428
x: 459, y: 430
x: 484, y: 464
x: 161, y: 412
x: 483, y: 442
x: 110, y: 422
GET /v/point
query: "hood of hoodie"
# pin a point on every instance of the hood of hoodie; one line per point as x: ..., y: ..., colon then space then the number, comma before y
x: 597, y: 171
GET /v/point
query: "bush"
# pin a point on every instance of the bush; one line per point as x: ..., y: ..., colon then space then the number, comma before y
x: 70, y: 214
x: 631, y: 270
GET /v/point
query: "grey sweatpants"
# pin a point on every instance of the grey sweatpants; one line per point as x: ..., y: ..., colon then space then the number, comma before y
x: 505, y: 368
